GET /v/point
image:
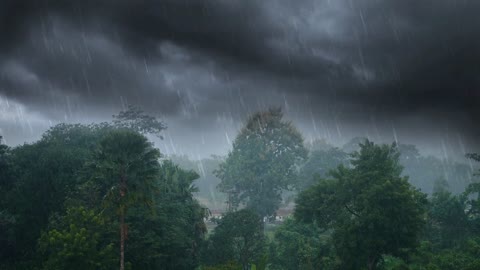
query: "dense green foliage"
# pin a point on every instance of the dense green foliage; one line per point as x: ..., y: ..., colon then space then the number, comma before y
x: 262, y: 163
x: 44, y: 173
x: 78, y: 240
x: 370, y: 207
x: 297, y: 245
x: 125, y: 167
x: 423, y: 171
x: 70, y: 199
x: 237, y: 238
x: 62, y: 198
x: 7, y: 219
x: 174, y: 232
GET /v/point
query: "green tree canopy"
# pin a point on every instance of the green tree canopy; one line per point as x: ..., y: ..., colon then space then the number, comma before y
x: 237, y: 238
x: 447, y: 220
x: 169, y: 237
x: 78, y: 241
x: 370, y: 207
x: 297, y: 245
x: 263, y: 162
x: 41, y: 176
x: 127, y: 166
x: 137, y: 120
x: 472, y: 194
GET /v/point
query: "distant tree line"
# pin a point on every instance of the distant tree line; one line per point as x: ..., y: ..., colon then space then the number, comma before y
x: 101, y: 196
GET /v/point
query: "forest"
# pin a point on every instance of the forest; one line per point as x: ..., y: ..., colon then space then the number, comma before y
x: 102, y: 196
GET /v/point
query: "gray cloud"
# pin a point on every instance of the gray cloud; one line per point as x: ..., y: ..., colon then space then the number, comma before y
x: 205, y: 64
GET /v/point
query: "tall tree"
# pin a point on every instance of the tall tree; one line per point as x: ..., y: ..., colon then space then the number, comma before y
x: 472, y: 194
x: 171, y: 236
x: 164, y: 234
x: 6, y: 166
x: 370, y: 207
x: 137, y: 120
x: 7, y: 219
x: 262, y: 162
x: 127, y: 164
x: 238, y: 238
x: 45, y: 172
x: 320, y: 162
x: 447, y: 222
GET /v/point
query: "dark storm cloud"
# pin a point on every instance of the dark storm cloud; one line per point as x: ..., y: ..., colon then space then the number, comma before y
x: 423, y: 54
x: 327, y: 58
x: 51, y: 41
x: 237, y: 33
x: 86, y: 69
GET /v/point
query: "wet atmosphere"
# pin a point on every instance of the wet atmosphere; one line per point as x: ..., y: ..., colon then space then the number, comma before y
x: 240, y: 134
x: 339, y: 69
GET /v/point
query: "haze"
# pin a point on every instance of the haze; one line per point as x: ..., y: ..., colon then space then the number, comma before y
x: 386, y: 70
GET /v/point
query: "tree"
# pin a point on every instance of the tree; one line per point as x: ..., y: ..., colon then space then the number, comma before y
x: 137, y: 120
x: 6, y: 167
x: 353, y: 145
x: 168, y: 231
x: 472, y: 193
x: 46, y: 174
x: 77, y: 241
x: 7, y: 219
x: 127, y: 165
x: 41, y: 177
x: 226, y: 266
x: 423, y: 171
x: 297, y: 245
x: 464, y: 257
x: 7, y: 237
x: 447, y: 223
x: 372, y: 210
x: 320, y: 162
x: 474, y: 156
x: 237, y: 238
x: 262, y: 163
x: 169, y: 237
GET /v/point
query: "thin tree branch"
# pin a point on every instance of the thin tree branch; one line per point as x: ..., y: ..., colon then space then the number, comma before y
x: 351, y: 211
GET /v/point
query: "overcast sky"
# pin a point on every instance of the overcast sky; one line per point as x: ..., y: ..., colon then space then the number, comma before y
x: 403, y: 69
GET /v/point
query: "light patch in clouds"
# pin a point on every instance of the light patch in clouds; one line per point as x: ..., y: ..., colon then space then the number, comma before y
x: 16, y: 72
x: 16, y: 118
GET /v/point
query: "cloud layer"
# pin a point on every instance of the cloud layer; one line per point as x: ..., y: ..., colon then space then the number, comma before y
x: 338, y: 67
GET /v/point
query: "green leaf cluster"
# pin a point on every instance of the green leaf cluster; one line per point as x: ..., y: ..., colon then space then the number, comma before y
x: 372, y: 210
x: 263, y: 162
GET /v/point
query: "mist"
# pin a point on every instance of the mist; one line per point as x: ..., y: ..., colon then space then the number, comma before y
x: 345, y: 82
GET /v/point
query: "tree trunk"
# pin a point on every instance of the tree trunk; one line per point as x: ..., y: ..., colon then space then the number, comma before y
x: 372, y: 264
x: 123, y: 187
x: 122, y: 241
